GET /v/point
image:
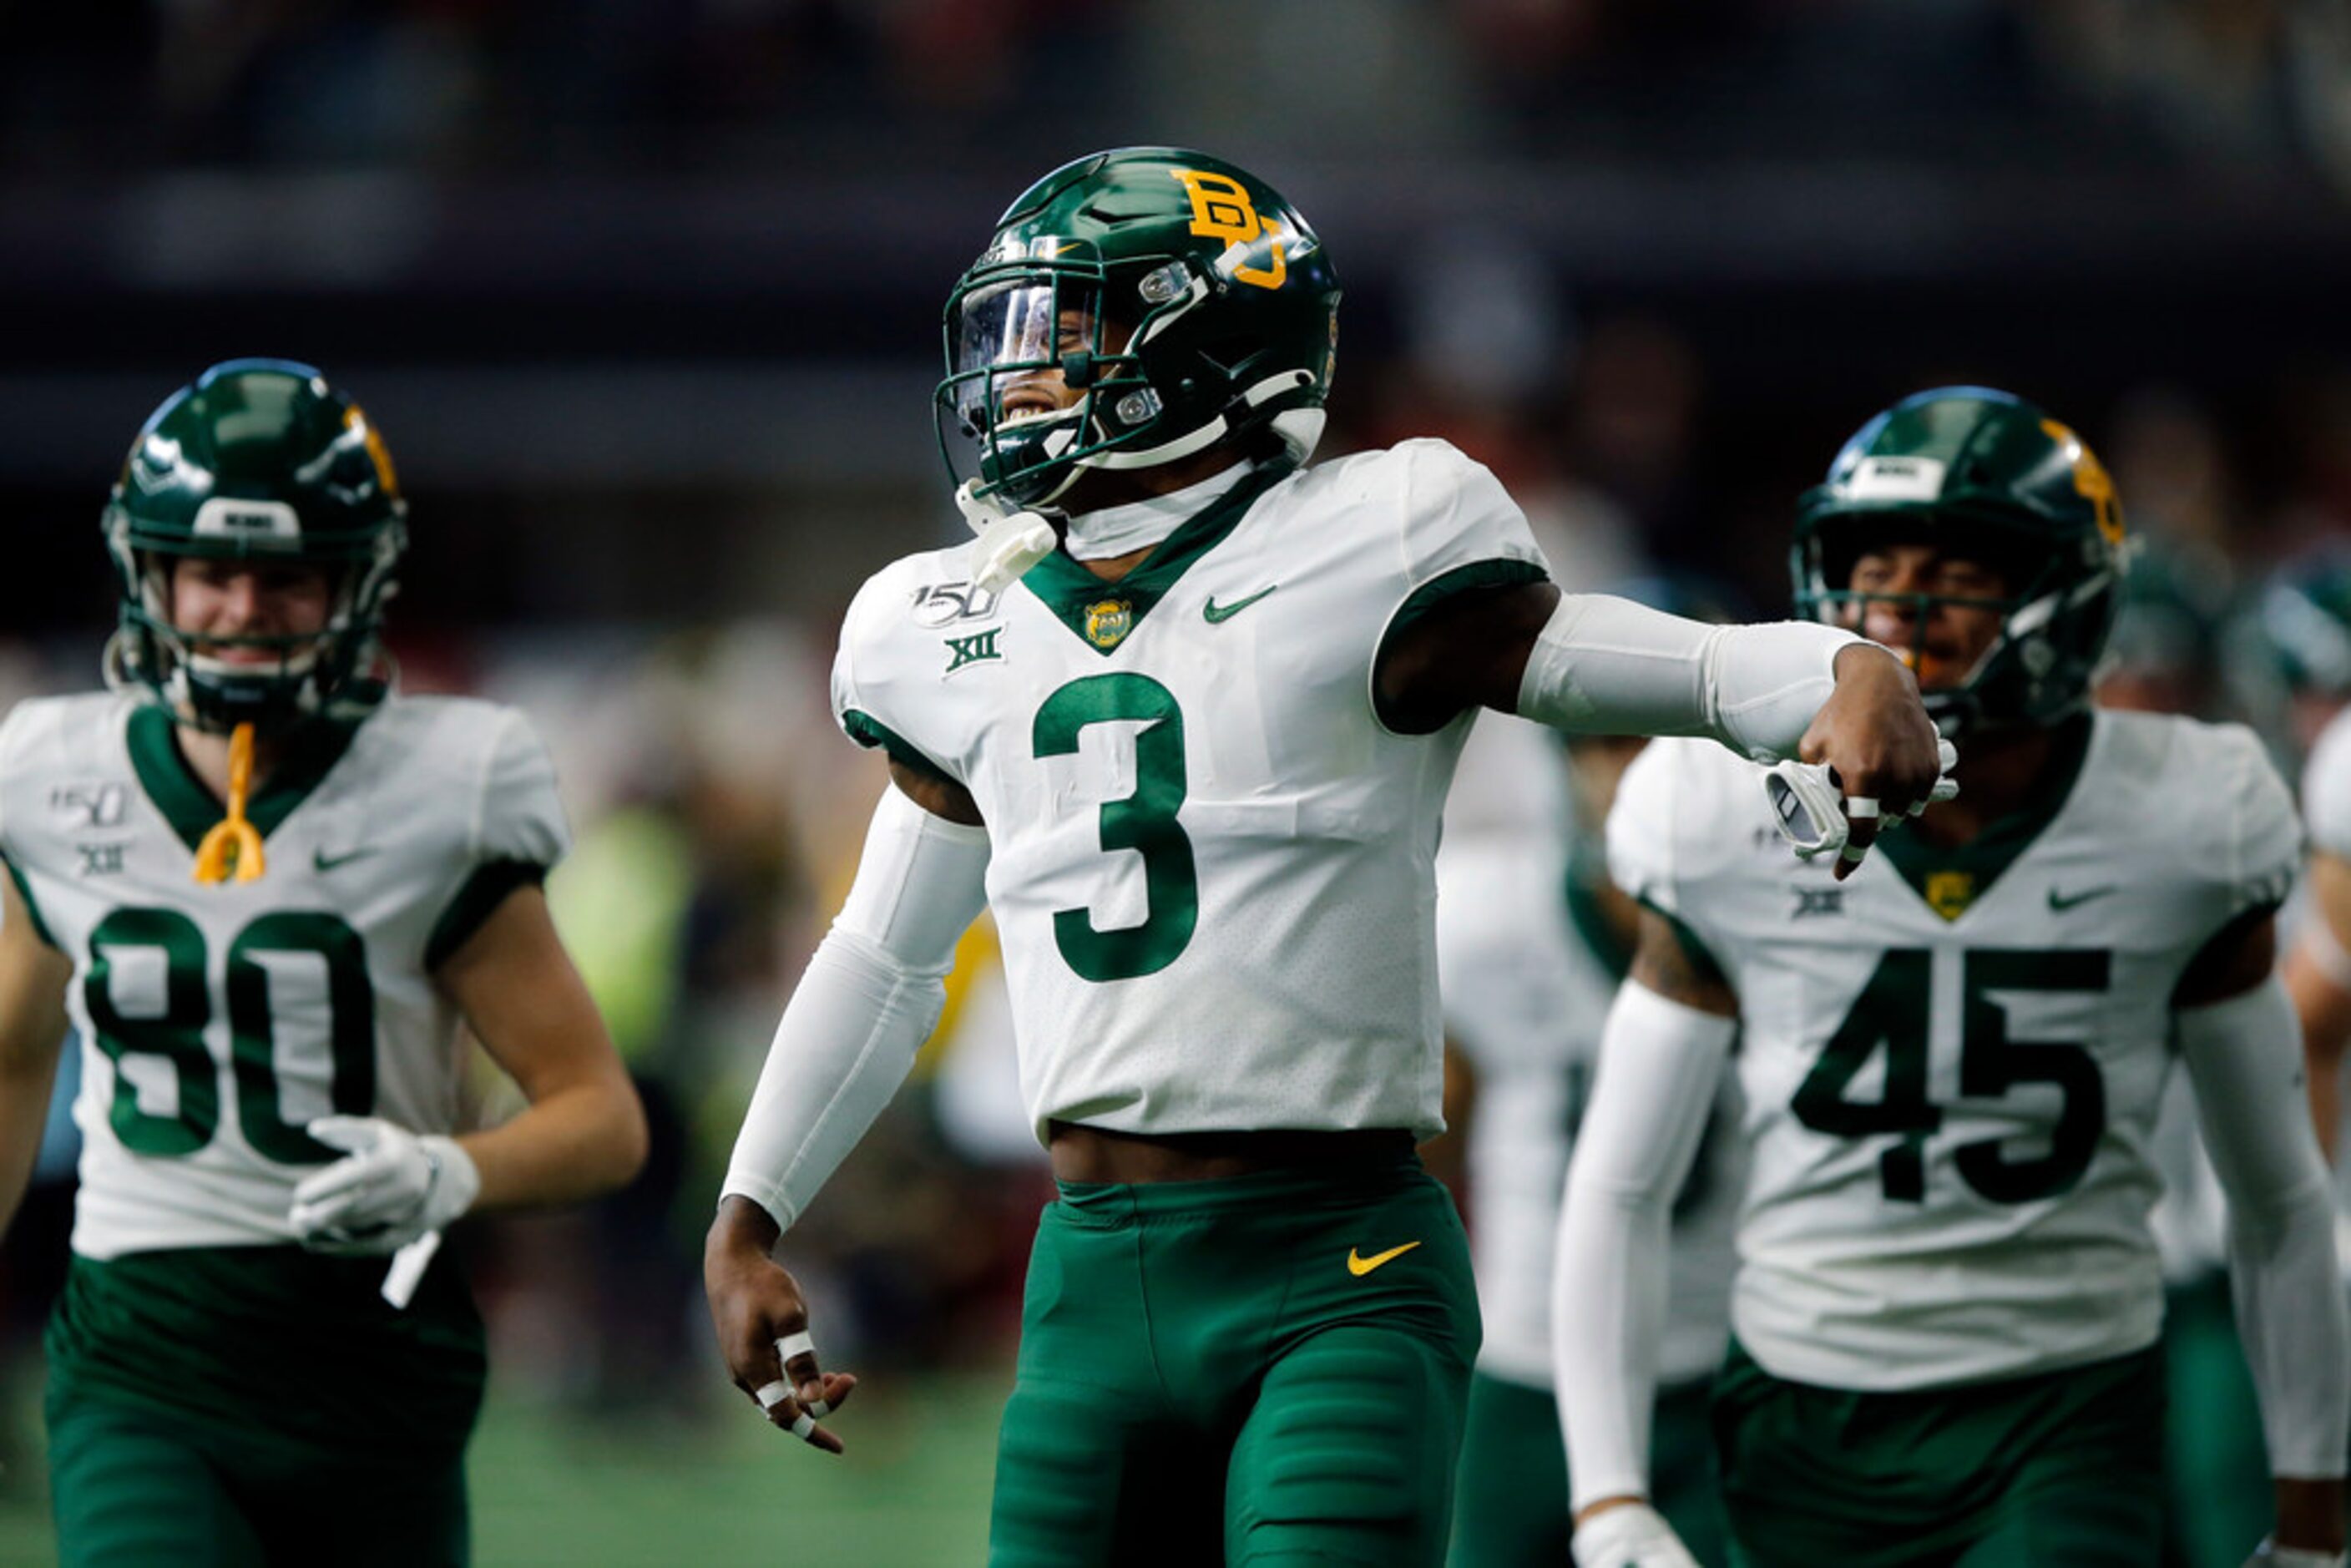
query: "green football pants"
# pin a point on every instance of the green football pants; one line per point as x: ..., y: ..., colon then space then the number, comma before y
x: 127, y: 1491
x: 1268, y: 1370
x: 2063, y: 1469
x: 2219, y: 1494
x: 1510, y: 1511
x: 212, y: 1407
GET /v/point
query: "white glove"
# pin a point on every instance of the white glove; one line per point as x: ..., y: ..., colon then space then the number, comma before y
x: 1009, y: 542
x: 2269, y: 1554
x: 393, y: 1187
x: 1630, y: 1535
x: 1814, y: 817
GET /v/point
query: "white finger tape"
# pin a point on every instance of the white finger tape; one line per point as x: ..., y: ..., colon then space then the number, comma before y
x: 771, y: 1395
x: 793, y: 1345
x: 407, y: 1269
x: 1861, y: 808
x: 817, y: 1407
x: 1854, y: 852
x: 803, y: 1424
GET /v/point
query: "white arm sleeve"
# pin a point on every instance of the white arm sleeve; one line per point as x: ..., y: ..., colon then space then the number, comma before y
x: 2244, y: 1058
x: 1609, y: 667
x: 867, y: 1000
x: 1659, y: 1064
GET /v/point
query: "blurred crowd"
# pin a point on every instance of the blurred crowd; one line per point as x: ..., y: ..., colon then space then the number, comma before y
x: 458, y: 85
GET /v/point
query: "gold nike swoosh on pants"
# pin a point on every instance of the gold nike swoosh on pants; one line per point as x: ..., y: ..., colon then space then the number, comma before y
x: 1361, y: 1266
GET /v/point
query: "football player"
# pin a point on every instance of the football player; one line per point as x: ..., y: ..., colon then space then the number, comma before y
x: 1183, y: 718
x: 267, y: 892
x: 1946, y: 1314
x: 2293, y: 648
x: 1531, y: 941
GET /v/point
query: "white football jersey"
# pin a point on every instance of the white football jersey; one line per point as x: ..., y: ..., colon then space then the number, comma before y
x: 2326, y: 788
x: 1528, y: 967
x: 217, y: 1021
x: 1210, y: 859
x: 1952, y: 1060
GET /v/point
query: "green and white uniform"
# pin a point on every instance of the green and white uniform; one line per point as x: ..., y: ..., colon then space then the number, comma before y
x: 1973, y: 1085
x: 1952, y: 1061
x: 1210, y: 859
x: 1210, y: 871
x: 1528, y: 967
x: 216, y: 1022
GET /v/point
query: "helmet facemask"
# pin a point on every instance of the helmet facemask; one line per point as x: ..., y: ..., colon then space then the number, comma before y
x: 1183, y: 302
x: 1017, y: 336
x: 338, y: 672
x: 2037, y: 670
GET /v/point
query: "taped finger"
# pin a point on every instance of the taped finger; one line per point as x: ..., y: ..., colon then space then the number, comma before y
x: 771, y: 1395
x: 1861, y: 808
x: 802, y: 1425
x: 818, y: 1408
x: 793, y: 1345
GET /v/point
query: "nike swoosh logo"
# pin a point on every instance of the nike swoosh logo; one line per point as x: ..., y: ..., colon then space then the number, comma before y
x: 1359, y: 1266
x: 2059, y: 902
x: 321, y: 860
x: 1216, y: 612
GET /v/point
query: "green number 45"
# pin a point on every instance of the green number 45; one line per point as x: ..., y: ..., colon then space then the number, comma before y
x: 1891, y: 1014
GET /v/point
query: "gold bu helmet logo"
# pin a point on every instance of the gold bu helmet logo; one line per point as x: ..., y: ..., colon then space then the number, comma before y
x: 357, y: 423
x: 2091, y: 480
x: 1108, y: 621
x: 1221, y: 209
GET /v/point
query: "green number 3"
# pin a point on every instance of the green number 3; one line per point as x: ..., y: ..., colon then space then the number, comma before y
x: 1144, y: 821
x: 177, y: 1034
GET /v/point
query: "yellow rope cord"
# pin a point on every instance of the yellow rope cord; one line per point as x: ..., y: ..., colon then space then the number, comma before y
x: 233, y: 847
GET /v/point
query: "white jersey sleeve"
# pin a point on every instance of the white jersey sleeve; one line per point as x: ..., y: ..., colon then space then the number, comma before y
x: 14, y: 744
x: 521, y: 817
x: 2327, y: 788
x: 518, y: 831
x: 1677, y: 783
x: 878, y: 694
x: 1457, y: 529
x: 2255, y: 861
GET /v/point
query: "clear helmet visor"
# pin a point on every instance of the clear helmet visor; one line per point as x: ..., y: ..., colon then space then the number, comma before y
x: 1002, y: 331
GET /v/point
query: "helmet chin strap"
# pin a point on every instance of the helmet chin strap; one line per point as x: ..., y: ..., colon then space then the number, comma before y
x: 1010, y: 543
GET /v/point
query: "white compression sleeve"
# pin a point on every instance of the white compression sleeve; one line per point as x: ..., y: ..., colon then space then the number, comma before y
x: 1609, y: 667
x: 869, y: 998
x: 1659, y: 1063
x: 2244, y: 1058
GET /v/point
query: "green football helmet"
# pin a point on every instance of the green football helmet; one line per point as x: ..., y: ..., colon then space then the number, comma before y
x: 257, y: 459
x: 2287, y: 651
x: 1996, y: 480
x: 2299, y: 623
x: 1185, y: 298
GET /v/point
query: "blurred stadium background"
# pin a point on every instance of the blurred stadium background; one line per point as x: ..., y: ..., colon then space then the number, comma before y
x: 645, y: 297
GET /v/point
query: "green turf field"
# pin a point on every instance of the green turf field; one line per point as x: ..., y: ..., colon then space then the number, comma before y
x: 911, y: 1491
